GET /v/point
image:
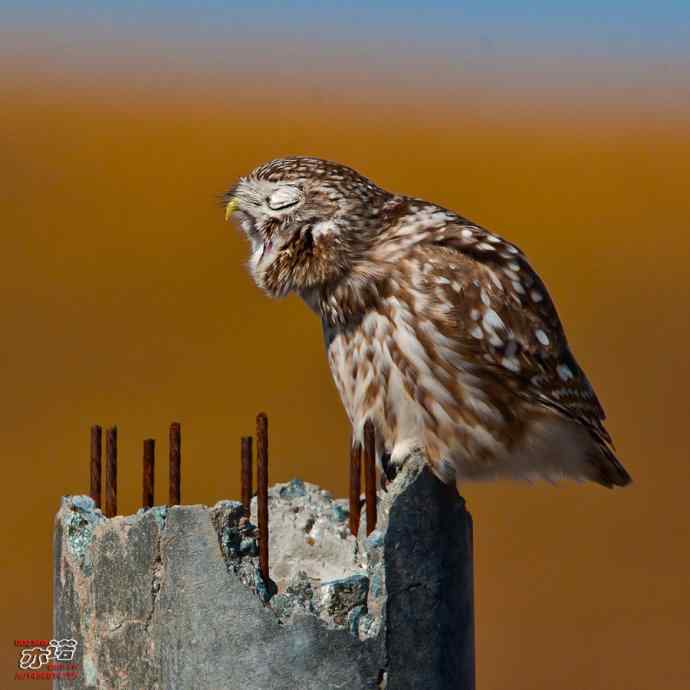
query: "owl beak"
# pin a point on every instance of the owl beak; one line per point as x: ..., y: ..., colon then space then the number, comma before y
x: 231, y: 207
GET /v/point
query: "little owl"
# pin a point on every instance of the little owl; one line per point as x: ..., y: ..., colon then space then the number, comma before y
x: 437, y: 330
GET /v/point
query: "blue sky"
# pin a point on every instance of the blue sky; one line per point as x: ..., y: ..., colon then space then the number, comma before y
x: 634, y: 51
x: 655, y: 30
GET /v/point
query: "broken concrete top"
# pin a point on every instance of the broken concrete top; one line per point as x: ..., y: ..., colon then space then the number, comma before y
x: 173, y: 597
x: 309, y: 532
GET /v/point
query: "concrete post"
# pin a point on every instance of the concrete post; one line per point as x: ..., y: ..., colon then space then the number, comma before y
x: 172, y: 598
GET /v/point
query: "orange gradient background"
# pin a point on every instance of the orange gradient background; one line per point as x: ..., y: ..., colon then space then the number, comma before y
x: 125, y: 301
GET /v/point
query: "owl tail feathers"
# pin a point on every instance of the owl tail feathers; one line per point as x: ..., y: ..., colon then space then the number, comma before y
x: 608, y: 471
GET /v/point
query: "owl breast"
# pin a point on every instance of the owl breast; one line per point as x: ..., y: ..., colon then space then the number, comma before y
x: 393, y: 365
x: 371, y: 384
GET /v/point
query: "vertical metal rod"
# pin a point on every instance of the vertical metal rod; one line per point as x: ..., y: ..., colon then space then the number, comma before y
x: 246, y: 473
x: 355, y: 485
x: 370, y: 474
x: 95, y: 467
x: 147, y: 479
x: 175, y: 460
x: 262, y: 490
x: 111, y: 472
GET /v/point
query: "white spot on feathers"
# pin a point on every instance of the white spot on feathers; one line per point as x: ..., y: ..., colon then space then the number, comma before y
x: 492, y: 320
x: 511, y: 363
x: 564, y: 372
x: 496, y: 281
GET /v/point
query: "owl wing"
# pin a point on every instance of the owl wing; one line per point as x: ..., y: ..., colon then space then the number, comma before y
x: 508, y: 322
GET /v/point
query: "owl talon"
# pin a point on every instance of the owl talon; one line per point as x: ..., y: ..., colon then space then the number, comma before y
x: 387, y: 471
x: 390, y: 470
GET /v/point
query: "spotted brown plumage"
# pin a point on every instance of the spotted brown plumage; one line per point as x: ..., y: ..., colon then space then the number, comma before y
x: 436, y: 329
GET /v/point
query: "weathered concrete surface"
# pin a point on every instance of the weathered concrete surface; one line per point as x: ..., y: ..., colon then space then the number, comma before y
x: 172, y: 597
x: 423, y: 557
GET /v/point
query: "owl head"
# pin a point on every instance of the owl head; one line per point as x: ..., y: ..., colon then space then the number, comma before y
x: 308, y: 221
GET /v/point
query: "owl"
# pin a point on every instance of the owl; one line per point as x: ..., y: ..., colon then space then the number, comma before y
x: 436, y: 330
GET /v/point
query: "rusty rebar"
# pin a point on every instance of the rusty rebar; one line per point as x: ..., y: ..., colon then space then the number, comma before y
x: 111, y: 472
x: 95, y: 466
x: 355, y: 485
x: 148, y: 473
x: 370, y: 474
x: 175, y: 460
x: 246, y: 473
x: 262, y: 490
